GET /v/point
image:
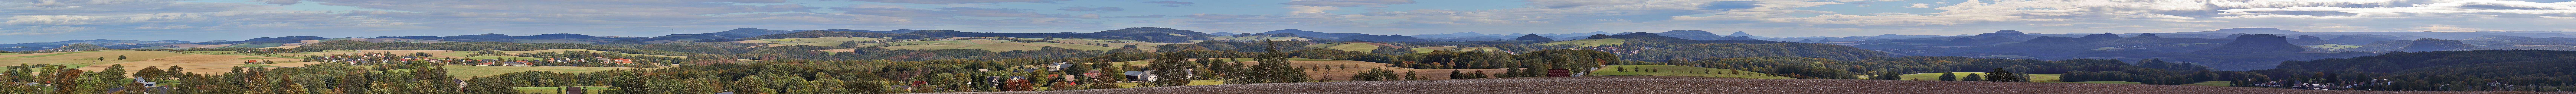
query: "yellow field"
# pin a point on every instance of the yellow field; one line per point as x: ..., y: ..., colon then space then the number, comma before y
x: 137, y: 60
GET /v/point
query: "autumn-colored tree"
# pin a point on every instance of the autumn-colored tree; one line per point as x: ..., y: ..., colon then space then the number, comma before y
x: 1018, y: 85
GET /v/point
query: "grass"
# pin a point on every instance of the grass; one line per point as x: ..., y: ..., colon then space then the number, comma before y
x: 1589, y: 42
x: 2099, y: 82
x: 1346, y: 46
x: 558, y: 90
x: 253, y: 58
x: 1936, y: 76
x: 1671, y: 70
x: 463, y: 71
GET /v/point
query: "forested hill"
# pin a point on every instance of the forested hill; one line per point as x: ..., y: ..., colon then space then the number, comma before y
x: 2420, y: 61
x: 2429, y: 70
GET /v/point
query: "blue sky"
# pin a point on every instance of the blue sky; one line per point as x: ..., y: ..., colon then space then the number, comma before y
x: 202, y: 20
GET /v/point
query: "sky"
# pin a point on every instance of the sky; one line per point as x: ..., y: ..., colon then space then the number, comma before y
x: 203, y: 20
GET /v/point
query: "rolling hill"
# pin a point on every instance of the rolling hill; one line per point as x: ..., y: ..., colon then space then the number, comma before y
x: 1588, y: 42
x: 1681, y: 85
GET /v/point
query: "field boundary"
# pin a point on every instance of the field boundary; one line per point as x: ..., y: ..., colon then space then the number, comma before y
x: 55, y: 54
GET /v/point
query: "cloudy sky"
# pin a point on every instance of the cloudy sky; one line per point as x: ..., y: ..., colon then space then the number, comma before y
x: 201, y: 20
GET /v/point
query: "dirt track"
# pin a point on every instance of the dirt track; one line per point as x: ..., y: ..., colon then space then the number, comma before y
x: 1700, y: 85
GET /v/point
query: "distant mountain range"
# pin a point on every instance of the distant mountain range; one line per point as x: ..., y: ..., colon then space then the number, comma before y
x: 1174, y: 35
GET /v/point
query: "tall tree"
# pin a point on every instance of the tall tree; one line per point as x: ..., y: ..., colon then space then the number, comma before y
x: 1949, y: 76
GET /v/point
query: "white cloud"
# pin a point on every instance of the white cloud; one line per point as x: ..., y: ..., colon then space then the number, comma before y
x: 2448, y: 28
x: 1348, y: 3
x: 957, y: 1
x: 1920, y: 5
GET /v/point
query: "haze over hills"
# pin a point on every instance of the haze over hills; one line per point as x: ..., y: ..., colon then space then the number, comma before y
x: 2204, y: 47
x: 2142, y: 58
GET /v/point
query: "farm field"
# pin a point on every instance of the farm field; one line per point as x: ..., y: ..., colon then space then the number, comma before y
x: 138, y: 60
x: 1340, y: 70
x: 562, y: 50
x: 1937, y: 76
x: 463, y: 71
x: 2098, y: 82
x: 1351, y: 46
x: 1681, y: 85
x: 1003, y: 46
x: 1453, y: 48
x: 1671, y: 70
x: 1589, y: 42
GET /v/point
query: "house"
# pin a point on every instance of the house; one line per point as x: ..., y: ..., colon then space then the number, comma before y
x: 146, y: 83
x: 514, y: 63
x: 1058, y: 66
x: 1140, y: 75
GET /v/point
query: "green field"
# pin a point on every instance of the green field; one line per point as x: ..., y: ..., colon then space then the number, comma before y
x: 1671, y: 70
x: 463, y: 71
x: 9, y: 53
x: 1936, y: 76
x: 1589, y: 42
x: 1347, y: 46
x: 559, y: 90
x: 2100, y: 82
x: 1453, y: 48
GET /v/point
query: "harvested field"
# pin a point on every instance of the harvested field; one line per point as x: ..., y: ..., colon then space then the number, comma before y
x: 1698, y: 85
x: 1427, y: 74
